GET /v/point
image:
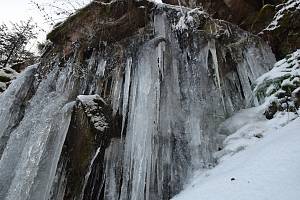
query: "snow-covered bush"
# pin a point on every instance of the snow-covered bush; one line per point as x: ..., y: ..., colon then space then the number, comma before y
x: 280, y: 87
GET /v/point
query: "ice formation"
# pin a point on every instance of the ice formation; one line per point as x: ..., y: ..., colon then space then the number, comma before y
x: 167, y: 91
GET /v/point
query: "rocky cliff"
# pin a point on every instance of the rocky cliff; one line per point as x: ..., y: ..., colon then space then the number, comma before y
x: 125, y: 103
x: 274, y: 20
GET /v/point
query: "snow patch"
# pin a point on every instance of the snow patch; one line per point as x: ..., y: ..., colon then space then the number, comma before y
x: 93, y: 110
x: 189, y: 18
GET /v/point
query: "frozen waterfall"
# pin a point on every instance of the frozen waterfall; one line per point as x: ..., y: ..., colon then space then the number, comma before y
x: 161, y: 94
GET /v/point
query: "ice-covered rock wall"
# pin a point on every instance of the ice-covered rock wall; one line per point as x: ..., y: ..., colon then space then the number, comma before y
x: 150, y: 102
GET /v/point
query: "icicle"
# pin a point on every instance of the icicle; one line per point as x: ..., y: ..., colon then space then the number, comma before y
x: 101, y: 68
x: 12, y: 99
x: 87, y: 176
x: 141, y: 127
x: 192, y: 127
x: 40, y: 134
x: 126, y: 90
x: 160, y: 29
x: 113, y: 171
x: 117, y: 86
x: 212, y: 49
x: 59, y: 184
x: 160, y: 58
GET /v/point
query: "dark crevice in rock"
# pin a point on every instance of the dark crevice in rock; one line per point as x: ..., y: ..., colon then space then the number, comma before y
x: 83, y: 153
x: 211, y: 67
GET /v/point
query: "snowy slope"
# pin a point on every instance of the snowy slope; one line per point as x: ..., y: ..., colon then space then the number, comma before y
x: 262, y: 162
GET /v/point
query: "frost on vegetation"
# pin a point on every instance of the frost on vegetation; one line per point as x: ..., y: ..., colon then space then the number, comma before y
x: 190, y: 19
x: 92, y: 105
x: 283, y: 9
x: 279, y: 88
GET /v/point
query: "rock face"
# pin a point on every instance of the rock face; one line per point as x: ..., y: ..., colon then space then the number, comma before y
x: 235, y: 11
x: 283, y: 32
x: 159, y: 91
x: 275, y: 21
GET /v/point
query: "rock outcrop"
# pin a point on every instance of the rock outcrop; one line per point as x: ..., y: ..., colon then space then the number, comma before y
x: 7, y: 74
x: 283, y: 31
x: 162, y: 78
x: 240, y: 12
x: 275, y: 21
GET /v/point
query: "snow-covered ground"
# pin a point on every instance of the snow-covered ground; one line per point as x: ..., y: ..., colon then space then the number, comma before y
x: 262, y: 163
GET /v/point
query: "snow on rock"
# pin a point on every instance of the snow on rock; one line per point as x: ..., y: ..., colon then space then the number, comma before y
x: 89, y: 99
x: 2, y: 86
x: 93, y: 108
x: 288, y: 68
x: 157, y: 1
x: 282, y: 33
x: 260, y: 161
x: 7, y: 74
x: 283, y: 9
x: 190, y: 19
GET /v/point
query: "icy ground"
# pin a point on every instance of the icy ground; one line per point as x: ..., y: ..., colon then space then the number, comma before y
x: 260, y: 161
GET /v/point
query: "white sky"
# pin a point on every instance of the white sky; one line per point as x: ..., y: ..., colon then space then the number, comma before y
x: 16, y: 10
